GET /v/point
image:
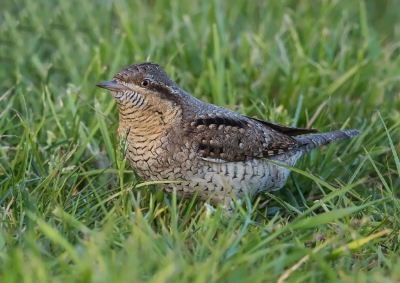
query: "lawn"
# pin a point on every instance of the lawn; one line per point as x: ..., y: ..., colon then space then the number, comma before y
x: 71, y: 208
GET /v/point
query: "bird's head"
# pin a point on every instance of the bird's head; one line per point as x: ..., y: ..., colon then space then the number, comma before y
x: 144, y: 84
x: 149, y: 101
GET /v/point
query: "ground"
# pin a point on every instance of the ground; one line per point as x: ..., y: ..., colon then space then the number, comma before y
x: 72, y: 211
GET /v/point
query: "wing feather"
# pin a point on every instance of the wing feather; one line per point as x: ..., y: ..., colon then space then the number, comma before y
x: 290, y: 131
x: 233, y: 139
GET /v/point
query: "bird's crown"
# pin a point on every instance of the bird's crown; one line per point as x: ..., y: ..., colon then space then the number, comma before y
x: 144, y: 74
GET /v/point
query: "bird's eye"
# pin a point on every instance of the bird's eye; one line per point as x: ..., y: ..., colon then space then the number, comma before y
x: 145, y: 83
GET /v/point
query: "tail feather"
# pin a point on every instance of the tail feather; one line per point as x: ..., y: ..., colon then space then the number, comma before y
x: 308, y: 143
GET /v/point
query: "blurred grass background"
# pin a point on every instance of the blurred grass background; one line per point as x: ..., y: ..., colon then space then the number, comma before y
x: 70, y: 210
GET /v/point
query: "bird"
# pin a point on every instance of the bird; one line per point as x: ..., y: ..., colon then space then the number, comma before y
x: 210, y: 152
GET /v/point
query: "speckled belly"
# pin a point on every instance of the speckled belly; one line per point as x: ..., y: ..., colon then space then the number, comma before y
x: 213, y: 181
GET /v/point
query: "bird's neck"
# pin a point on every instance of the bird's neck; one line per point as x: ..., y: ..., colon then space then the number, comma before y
x: 148, y: 123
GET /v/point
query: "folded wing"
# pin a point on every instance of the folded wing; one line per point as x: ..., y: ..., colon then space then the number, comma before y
x: 241, y: 138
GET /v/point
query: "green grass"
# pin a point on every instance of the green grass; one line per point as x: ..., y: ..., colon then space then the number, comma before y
x: 72, y: 211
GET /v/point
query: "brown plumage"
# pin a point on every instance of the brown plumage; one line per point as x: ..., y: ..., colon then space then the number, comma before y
x: 213, y: 151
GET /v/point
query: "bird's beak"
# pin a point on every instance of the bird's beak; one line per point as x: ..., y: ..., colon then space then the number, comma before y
x: 112, y: 86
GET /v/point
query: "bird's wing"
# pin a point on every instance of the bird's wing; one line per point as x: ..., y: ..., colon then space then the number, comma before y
x: 290, y: 131
x: 233, y: 139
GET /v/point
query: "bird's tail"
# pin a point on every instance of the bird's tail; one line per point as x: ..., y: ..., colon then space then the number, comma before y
x: 308, y: 143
